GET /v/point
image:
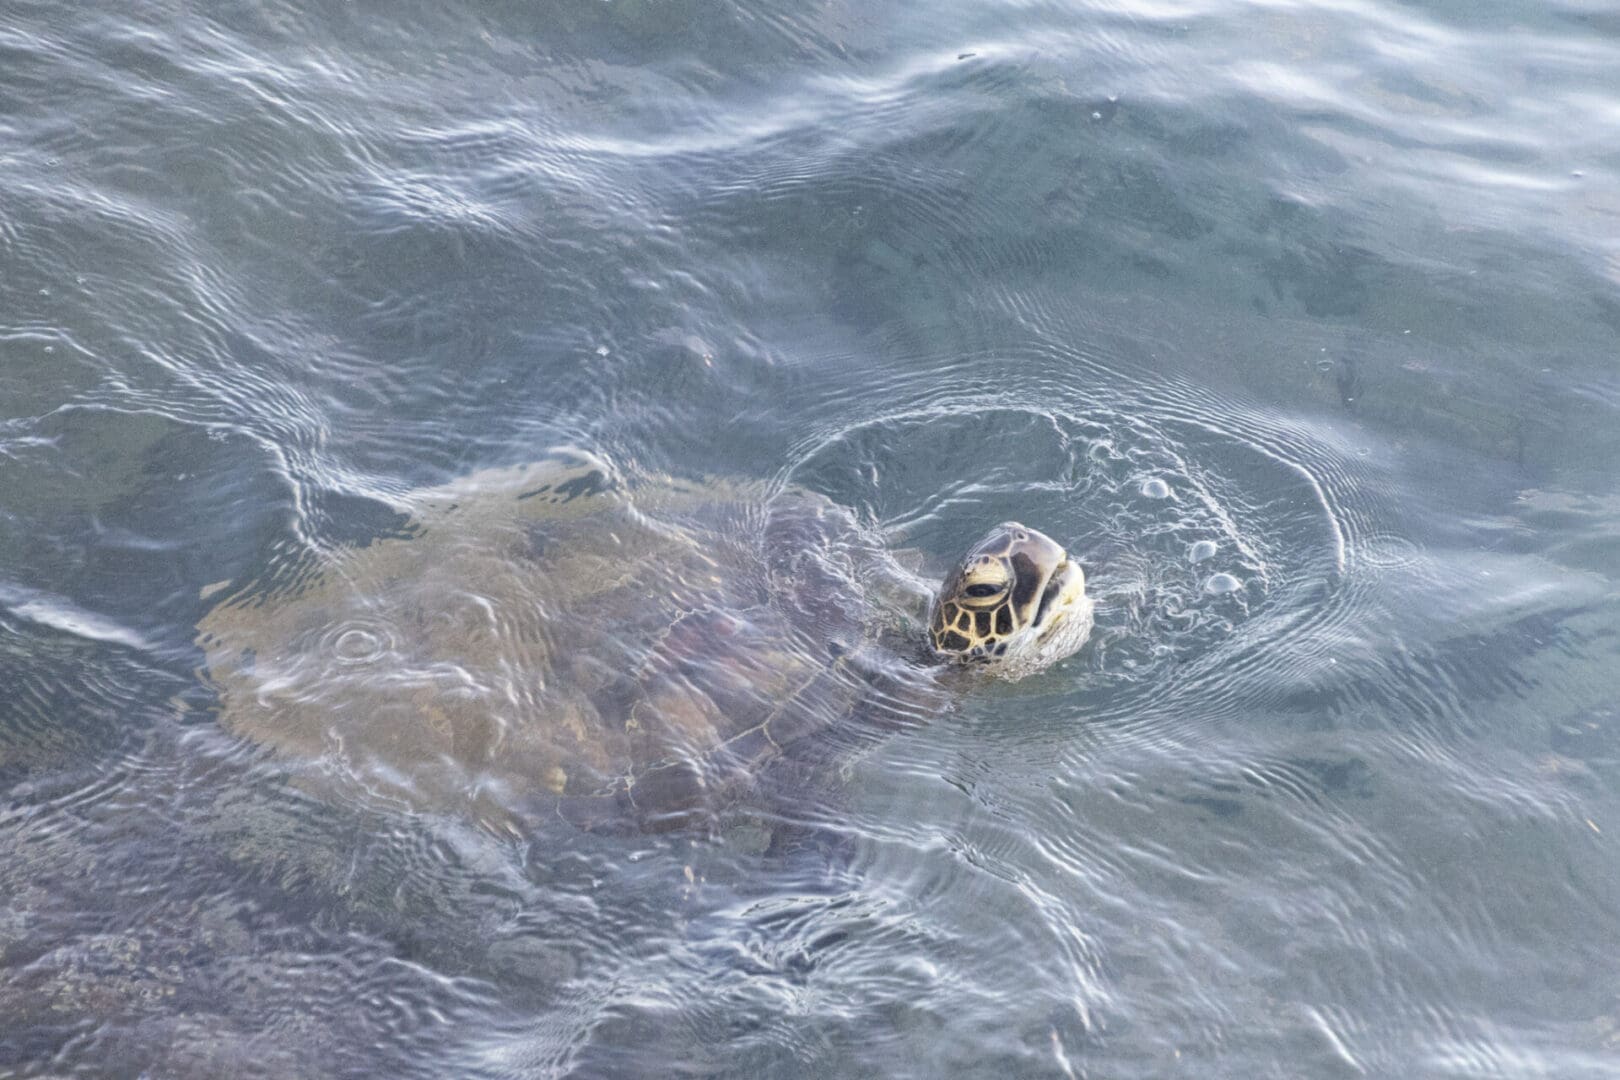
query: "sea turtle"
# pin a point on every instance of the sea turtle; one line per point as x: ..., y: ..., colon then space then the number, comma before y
x: 558, y: 638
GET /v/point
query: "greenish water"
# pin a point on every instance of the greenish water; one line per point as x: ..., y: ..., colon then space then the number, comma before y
x: 1296, y: 322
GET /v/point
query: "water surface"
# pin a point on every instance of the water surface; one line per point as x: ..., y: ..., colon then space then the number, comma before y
x: 1296, y: 321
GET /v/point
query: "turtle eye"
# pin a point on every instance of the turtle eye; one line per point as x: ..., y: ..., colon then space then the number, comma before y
x: 982, y: 590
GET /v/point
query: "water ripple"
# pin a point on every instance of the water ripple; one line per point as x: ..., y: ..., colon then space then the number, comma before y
x: 1292, y: 320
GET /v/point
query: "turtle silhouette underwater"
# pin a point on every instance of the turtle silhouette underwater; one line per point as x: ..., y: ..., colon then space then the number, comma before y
x: 555, y: 638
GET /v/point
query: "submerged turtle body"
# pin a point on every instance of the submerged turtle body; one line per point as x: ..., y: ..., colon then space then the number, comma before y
x: 551, y: 637
x: 554, y: 638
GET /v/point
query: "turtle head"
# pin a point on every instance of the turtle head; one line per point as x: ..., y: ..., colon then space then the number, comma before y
x: 1014, y: 604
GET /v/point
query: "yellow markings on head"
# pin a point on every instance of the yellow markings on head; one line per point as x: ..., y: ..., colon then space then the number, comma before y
x: 977, y: 618
x: 983, y: 582
x: 1015, y: 583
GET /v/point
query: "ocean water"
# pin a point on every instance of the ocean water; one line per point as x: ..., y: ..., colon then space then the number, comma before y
x: 1297, y: 322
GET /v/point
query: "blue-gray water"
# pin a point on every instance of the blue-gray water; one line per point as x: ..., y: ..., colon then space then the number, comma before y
x: 1332, y: 287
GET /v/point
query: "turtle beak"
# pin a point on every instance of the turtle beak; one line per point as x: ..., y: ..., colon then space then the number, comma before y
x: 1064, y: 589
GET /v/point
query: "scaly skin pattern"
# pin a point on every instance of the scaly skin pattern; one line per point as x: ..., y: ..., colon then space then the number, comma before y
x: 1014, y: 605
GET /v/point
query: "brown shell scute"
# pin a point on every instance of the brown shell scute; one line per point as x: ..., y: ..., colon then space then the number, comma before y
x: 552, y: 632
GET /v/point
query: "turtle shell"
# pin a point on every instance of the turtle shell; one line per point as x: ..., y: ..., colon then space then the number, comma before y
x: 552, y: 638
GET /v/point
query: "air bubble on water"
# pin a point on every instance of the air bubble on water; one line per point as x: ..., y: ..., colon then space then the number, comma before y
x: 1202, y: 550
x: 1222, y: 583
x: 1156, y: 489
